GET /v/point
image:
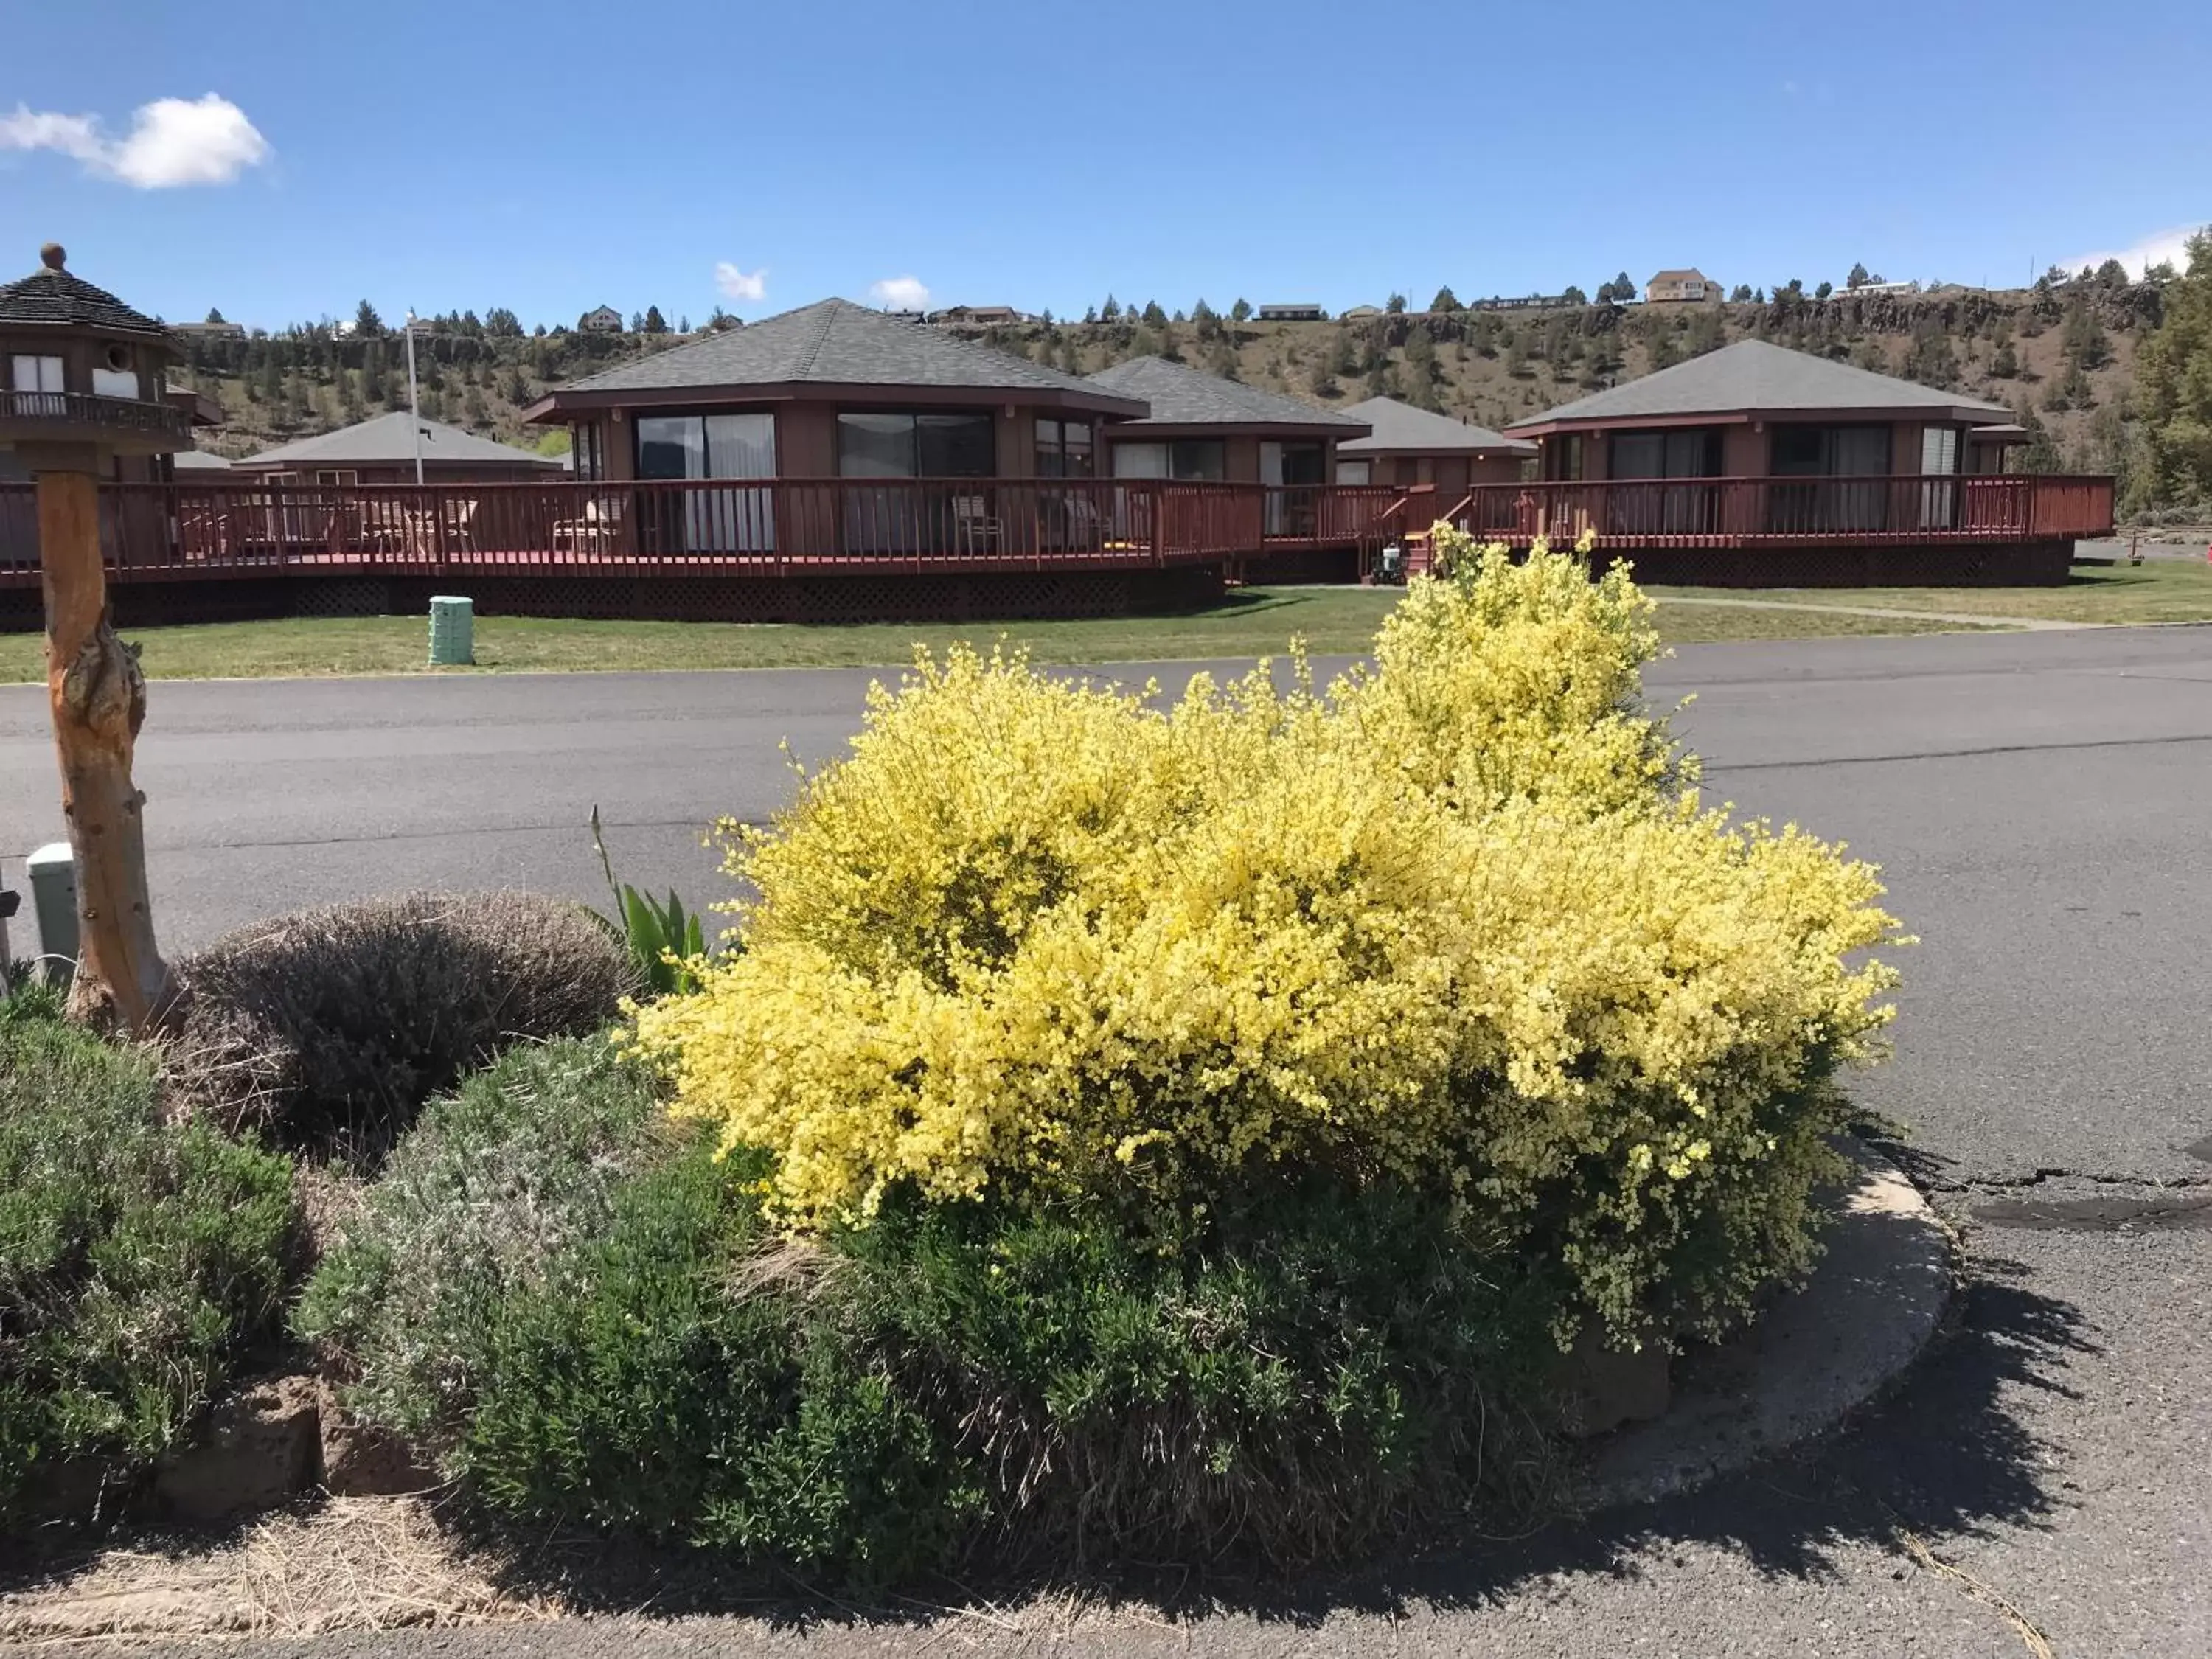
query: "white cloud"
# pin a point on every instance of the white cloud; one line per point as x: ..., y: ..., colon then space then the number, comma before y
x: 2161, y: 246
x: 72, y: 135
x: 171, y: 142
x: 740, y: 284
x: 900, y: 294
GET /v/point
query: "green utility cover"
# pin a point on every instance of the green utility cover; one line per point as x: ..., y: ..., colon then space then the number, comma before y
x: 452, y: 631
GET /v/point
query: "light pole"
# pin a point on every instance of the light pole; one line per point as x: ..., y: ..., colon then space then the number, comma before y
x: 414, y: 409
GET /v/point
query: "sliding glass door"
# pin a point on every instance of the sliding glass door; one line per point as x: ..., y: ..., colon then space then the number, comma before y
x: 1671, y: 453
x: 1850, y: 464
x: 1292, y: 469
x: 943, y: 516
x: 701, y: 447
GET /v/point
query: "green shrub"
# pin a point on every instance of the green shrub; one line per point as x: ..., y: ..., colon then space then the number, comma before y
x: 474, y: 1204
x: 1324, y: 1368
x: 137, y: 1262
x: 1320, y: 1368
x: 645, y: 1387
x: 329, y: 1028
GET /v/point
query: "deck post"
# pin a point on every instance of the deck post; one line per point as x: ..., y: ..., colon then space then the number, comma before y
x: 97, y: 696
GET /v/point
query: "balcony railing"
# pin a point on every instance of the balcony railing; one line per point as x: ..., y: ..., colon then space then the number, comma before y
x: 86, y: 409
x: 1649, y: 512
x: 775, y: 527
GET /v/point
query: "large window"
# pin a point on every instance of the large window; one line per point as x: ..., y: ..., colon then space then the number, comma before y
x: 887, y: 446
x: 36, y: 374
x: 1185, y: 459
x: 1839, y: 469
x: 1064, y: 449
x: 1678, y: 509
x: 1683, y: 453
x: 1812, y: 452
x: 884, y: 517
x: 739, y: 448
x: 585, y: 452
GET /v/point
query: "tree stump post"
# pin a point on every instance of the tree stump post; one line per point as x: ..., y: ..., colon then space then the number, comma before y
x: 98, y: 698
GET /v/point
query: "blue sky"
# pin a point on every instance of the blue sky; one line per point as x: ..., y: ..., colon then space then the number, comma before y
x: 283, y: 161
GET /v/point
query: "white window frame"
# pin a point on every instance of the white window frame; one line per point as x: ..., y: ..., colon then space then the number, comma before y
x: 43, y: 373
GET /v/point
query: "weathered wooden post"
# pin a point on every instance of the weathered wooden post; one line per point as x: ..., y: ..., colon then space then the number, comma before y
x: 83, y: 388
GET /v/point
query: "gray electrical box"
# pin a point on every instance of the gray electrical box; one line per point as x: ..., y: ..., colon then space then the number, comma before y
x: 52, y: 871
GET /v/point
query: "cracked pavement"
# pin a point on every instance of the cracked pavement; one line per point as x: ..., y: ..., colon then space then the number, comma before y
x: 2040, y: 803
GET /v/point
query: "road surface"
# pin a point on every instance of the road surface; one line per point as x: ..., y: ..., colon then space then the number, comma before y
x: 2043, y: 807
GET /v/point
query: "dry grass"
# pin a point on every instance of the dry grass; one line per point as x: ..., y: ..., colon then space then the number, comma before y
x: 349, y: 1564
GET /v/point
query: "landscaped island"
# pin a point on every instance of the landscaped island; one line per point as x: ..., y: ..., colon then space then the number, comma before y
x: 1111, y: 1128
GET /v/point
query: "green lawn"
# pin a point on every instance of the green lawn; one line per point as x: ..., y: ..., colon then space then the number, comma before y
x: 1254, y: 621
x: 2155, y: 591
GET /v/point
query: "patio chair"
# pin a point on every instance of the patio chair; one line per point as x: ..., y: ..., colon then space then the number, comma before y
x: 1083, y: 525
x: 597, y: 526
x: 974, y: 524
x: 460, y: 523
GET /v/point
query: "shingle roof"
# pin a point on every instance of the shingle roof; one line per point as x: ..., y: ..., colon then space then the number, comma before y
x: 55, y: 298
x: 1401, y: 426
x: 832, y: 342
x: 1751, y: 377
x: 388, y: 439
x: 1180, y: 396
x: 199, y: 460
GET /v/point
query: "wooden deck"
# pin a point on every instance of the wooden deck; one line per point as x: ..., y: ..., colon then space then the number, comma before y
x: 793, y: 530
x: 1642, y: 515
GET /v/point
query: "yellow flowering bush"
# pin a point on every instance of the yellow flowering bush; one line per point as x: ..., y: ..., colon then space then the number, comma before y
x: 1511, y: 679
x: 1458, y: 924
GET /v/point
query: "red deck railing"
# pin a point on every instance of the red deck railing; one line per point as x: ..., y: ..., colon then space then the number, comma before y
x: 1631, y: 514
x: 792, y: 527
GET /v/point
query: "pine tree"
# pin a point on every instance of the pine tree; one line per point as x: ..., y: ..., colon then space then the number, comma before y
x: 1111, y: 311
x: 367, y: 325
x: 1445, y: 300
x: 2083, y: 340
x: 2173, y: 373
x: 1240, y: 312
x: 654, y: 322
x: 1858, y: 278
x: 1395, y: 305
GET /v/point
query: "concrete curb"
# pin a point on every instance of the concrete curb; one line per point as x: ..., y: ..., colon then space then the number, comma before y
x: 1865, y: 1315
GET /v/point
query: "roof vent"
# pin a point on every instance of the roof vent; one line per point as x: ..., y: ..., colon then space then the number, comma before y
x: 53, y: 255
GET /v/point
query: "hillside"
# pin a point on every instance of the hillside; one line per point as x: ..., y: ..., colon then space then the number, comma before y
x: 2062, y: 357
